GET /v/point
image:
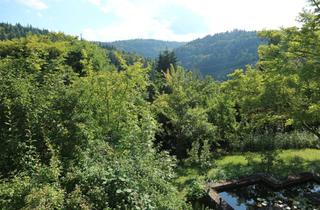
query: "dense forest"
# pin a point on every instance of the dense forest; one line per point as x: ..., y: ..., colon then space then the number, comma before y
x: 89, y: 127
x: 149, y: 48
x: 8, y: 31
x: 220, y: 54
x: 216, y: 55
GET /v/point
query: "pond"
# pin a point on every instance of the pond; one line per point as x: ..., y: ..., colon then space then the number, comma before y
x: 303, y: 196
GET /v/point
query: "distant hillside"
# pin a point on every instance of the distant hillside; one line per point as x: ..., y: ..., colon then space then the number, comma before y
x: 9, y: 31
x: 215, y: 55
x: 221, y: 53
x: 149, y: 48
x: 117, y: 58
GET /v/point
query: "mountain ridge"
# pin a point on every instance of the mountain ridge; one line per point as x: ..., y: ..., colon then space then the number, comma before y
x: 216, y: 55
x: 149, y: 48
x: 221, y: 53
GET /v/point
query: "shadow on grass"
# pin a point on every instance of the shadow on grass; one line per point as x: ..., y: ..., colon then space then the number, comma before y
x: 280, y: 169
x: 295, y: 165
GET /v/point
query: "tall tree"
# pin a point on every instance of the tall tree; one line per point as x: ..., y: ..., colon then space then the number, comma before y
x: 165, y: 60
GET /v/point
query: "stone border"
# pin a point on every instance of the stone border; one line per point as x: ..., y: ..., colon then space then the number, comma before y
x: 214, y: 189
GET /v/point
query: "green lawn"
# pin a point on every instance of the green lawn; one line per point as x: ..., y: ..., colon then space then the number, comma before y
x: 234, y: 166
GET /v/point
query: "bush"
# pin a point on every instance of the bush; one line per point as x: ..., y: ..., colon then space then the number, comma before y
x: 292, y: 140
x: 76, y: 200
x: 13, y: 192
x: 296, y: 140
x: 196, y: 190
x: 200, y: 155
x: 45, y: 197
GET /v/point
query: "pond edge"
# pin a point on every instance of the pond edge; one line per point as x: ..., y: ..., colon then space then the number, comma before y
x: 213, y: 189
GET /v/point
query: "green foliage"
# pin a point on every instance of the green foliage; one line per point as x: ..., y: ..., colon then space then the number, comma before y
x: 289, y: 140
x: 196, y: 190
x: 34, y: 76
x: 291, y: 66
x: 75, y: 132
x: 85, y: 58
x: 269, y: 159
x: 288, y: 162
x: 224, y: 115
x: 121, y: 168
x: 281, y: 93
x: 165, y: 61
x: 76, y: 200
x: 268, y: 151
x: 82, y: 128
x: 200, y: 155
x: 13, y: 192
x: 117, y: 60
x: 215, y: 55
x: 8, y: 31
x: 183, y: 113
x: 193, y: 153
x: 45, y: 197
x: 221, y: 53
x: 148, y: 48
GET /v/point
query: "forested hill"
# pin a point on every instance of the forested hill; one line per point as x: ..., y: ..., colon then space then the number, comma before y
x: 221, y: 53
x: 9, y: 31
x: 215, y: 55
x: 117, y: 58
x: 149, y: 48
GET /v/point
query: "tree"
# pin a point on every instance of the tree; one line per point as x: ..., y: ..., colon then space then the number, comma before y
x: 183, y: 112
x: 76, y: 133
x: 294, y: 60
x: 165, y: 60
x: 8, y: 31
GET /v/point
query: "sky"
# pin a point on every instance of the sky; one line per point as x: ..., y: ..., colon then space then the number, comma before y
x: 174, y: 20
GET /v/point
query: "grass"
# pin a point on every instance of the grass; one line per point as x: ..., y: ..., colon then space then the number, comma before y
x: 289, y: 162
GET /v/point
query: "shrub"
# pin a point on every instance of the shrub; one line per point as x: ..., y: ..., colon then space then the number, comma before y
x: 200, y: 155
x: 292, y: 140
x: 296, y: 140
x: 44, y: 197
x: 13, y: 192
x: 195, y: 190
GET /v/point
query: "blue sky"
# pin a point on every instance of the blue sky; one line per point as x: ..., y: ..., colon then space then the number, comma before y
x: 180, y: 20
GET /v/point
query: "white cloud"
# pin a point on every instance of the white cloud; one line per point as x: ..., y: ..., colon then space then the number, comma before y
x: 246, y: 14
x: 130, y: 31
x: 148, y: 19
x: 99, y: 4
x: 35, y: 4
x: 96, y: 2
